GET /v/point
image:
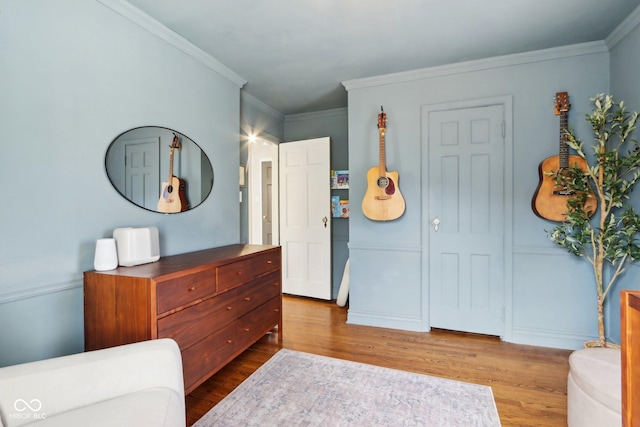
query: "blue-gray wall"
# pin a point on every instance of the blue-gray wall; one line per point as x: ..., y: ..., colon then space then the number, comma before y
x: 74, y: 74
x: 625, y: 69
x: 550, y: 295
x: 334, y: 124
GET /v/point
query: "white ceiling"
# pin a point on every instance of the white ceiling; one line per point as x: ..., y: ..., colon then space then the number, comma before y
x: 294, y: 54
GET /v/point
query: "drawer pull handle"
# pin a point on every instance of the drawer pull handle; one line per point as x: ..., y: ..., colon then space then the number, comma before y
x: 276, y: 283
x: 192, y: 288
x: 247, y: 298
x: 277, y: 310
x: 239, y: 273
x: 229, y: 307
x: 269, y: 262
x: 247, y: 329
x: 229, y: 341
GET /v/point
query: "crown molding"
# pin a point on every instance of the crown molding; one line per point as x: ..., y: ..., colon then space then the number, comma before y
x: 342, y: 111
x: 265, y: 108
x: 624, y: 28
x: 479, y: 65
x: 137, y: 16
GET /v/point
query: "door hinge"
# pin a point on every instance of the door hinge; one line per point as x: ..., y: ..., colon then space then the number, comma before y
x: 504, y: 130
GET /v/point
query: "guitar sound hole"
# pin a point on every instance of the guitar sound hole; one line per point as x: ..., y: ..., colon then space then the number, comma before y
x: 383, y: 181
x: 170, y: 189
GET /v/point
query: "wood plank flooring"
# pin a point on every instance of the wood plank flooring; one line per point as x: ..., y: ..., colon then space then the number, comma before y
x: 529, y: 383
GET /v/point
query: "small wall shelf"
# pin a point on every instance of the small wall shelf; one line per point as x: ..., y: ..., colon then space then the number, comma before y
x: 339, y: 208
x: 339, y: 179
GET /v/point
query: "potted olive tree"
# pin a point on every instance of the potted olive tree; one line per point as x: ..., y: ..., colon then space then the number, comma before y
x: 607, y: 239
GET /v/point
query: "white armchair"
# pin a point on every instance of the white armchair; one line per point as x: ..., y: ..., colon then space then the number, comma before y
x: 137, y: 384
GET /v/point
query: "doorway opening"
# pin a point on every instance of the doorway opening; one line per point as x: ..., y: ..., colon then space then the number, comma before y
x: 262, y: 176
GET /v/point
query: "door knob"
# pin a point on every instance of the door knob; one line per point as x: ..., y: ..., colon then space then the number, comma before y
x: 436, y: 223
x: 324, y: 220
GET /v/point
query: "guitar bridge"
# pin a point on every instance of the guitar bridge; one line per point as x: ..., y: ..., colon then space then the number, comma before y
x: 385, y: 197
x: 564, y: 192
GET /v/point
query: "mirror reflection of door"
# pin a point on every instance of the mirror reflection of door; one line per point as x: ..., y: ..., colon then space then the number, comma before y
x: 262, y: 178
x: 267, y: 203
x: 142, y: 160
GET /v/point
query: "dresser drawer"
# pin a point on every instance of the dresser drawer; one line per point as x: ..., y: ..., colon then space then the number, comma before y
x: 254, y: 324
x: 257, y: 292
x: 235, y: 274
x: 186, y: 326
x: 211, y: 353
x: 185, y: 289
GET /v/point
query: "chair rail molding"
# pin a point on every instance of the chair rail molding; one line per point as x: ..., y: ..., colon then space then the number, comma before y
x: 17, y: 293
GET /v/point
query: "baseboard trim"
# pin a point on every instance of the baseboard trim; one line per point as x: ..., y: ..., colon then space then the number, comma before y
x: 546, y: 338
x: 389, y: 322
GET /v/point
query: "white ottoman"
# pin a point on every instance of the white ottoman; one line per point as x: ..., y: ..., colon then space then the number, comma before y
x: 594, y: 388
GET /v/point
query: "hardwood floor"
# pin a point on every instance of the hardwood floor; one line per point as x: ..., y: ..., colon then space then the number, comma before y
x: 529, y: 383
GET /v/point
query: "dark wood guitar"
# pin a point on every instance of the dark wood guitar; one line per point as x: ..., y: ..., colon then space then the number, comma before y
x: 383, y: 200
x: 550, y: 199
x: 173, y: 197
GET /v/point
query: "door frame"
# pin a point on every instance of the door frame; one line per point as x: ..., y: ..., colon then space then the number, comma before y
x: 261, y: 150
x: 507, y: 102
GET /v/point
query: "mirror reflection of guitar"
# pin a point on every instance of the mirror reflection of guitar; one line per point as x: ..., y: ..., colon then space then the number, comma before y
x: 550, y: 200
x: 173, y: 197
x: 383, y: 200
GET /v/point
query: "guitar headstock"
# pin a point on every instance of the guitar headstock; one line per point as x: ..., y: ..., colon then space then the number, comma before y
x: 382, y: 119
x: 175, y: 144
x: 562, y: 103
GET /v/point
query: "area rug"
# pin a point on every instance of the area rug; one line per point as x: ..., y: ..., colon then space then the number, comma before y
x: 301, y: 389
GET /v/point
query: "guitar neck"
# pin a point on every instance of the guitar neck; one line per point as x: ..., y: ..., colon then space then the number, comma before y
x: 170, y: 166
x: 382, y: 167
x: 564, y: 148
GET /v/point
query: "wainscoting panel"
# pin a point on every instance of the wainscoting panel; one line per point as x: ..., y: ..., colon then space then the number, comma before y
x: 45, y: 322
x: 386, y: 291
x: 554, y: 302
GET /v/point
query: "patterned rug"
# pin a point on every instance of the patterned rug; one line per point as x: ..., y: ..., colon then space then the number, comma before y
x: 300, y: 389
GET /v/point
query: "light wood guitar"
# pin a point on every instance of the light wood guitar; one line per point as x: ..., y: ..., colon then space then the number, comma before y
x: 173, y: 197
x: 383, y: 200
x: 550, y: 200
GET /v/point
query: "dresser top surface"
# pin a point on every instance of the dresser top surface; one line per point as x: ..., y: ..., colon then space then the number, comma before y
x: 206, y: 258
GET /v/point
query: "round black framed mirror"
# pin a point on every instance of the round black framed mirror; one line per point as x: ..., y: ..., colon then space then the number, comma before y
x: 159, y: 169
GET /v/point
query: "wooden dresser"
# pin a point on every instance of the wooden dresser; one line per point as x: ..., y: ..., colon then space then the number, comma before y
x: 215, y: 303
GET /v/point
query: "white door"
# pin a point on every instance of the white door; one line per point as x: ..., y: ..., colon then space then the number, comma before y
x: 466, y: 215
x: 305, y: 218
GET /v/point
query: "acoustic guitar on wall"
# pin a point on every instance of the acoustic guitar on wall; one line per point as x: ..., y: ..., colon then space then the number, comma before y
x: 550, y: 199
x: 383, y: 200
x: 173, y: 197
